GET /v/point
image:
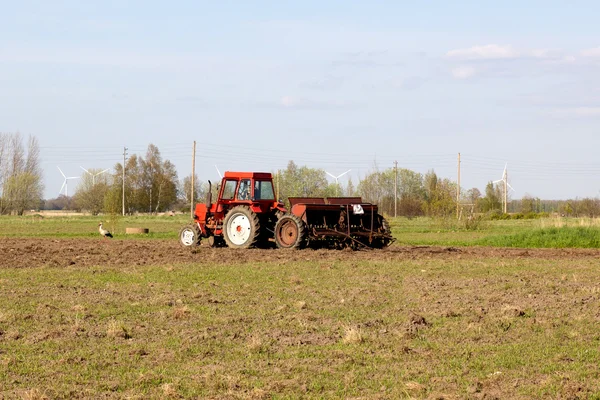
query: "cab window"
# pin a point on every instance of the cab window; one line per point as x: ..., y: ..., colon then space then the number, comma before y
x: 263, y: 190
x: 229, y: 189
x: 244, y: 190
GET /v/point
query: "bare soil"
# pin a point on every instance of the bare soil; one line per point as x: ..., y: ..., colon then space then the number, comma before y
x: 468, y: 322
x: 33, y: 252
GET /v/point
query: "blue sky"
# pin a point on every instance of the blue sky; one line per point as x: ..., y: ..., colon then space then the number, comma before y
x: 335, y: 85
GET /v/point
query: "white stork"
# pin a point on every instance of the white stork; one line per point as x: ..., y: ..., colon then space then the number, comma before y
x: 103, y: 231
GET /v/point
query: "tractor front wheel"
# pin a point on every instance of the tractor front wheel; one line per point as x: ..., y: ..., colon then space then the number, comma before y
x: 241, y: 228
x: 189, y: 236
x: 290, y: 232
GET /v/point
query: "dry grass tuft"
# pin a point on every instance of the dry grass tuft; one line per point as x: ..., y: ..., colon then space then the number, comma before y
x: 169, y: 390
x: 301, y: 305
x: 77, y: 325
x: 181, y: 312
x: 352, y: 335
x: 115, y: 329
x: 78, y: 308
x: 560, y: 222
x: 255, y: 344
x: 414, y: 386
x: 34, y: 394
x: 3, y: 317
x: 12, y: 334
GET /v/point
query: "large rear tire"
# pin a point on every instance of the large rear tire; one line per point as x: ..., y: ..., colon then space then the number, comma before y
x: 290, y: 232
x: 189, y: 236
x: 240, y: 228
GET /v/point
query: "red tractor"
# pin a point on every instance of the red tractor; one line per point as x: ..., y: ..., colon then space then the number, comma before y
x: 247, y: 214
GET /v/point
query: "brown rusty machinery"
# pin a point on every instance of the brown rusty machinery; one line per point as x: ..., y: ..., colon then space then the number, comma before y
x: 246, y: 214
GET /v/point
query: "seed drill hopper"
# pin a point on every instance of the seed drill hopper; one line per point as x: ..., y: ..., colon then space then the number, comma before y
x: 332, y: 222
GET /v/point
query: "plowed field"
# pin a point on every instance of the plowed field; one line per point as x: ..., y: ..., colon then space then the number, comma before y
x: 149, y: 319
x: 31, y: 253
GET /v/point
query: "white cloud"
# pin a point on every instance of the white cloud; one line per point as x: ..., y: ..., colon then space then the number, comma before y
x: 546, y: 54
x: 410, y: 83
x: 486, y: 52
x: 552, y: 56
x: 289, y: 101
x: 294, y: 102
x: 586, y: 111
x: 594, y: 52
x: 463, y: 72
x: 327, y: 83
x: 578, y: 112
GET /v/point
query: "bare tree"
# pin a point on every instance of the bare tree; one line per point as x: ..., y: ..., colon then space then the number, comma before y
x: 20, y: 174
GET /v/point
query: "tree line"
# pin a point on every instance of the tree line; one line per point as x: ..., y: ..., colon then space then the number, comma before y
x: 152, y: 185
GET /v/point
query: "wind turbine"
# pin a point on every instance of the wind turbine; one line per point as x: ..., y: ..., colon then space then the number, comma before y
x: 219, y: 172
x: 65, y: 184
x: 94, y: 175
x: 504, y: 179
x: 336, y: 179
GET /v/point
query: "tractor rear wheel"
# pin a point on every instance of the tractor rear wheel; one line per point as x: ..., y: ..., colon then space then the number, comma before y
x: 240, y: 228
x: 290, y: 232
x: 189, y: 236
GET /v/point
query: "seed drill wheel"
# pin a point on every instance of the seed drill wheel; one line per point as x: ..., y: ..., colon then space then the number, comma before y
x: 290, y: 232
x: 383, y: 242
x: 241, y: 228
x: 189, y: 236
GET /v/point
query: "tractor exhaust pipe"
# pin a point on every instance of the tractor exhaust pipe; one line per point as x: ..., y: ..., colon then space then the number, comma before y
x: 209, y: 196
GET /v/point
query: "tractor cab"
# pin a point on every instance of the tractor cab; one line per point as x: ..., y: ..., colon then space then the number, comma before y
x: 242, y: 187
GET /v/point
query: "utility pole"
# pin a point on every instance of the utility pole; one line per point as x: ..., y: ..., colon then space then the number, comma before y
x: 124, y: 158
x: 505, y: 191
x: 192, y: 186
x: 395, y: 189
x: 277, y: 186
x: 458, y: 190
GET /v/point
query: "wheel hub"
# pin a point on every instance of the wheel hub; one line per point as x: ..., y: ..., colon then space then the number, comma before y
x: 187, y: 237
x: 239, y: 229
x: 288, y: 233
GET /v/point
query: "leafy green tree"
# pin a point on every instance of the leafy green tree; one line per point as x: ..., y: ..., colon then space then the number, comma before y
x: 588, y: 207
x: 378, y: 188
x: 528, y: 204
x: 350, y: 189
x: 183, y: 192
x: 91, y: 191
x: 491, y: 201
x: 150, y: 183
x: 473, y: 197
x: 303, y: 181
x: 410, y: 193
x: 439, y: 196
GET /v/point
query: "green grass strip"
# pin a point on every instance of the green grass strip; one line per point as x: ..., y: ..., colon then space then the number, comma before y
x: 565, y: 237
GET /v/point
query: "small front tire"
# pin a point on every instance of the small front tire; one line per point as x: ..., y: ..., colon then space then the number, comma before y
x: 189, y: 236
